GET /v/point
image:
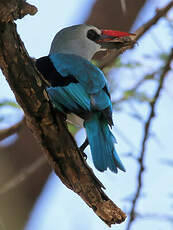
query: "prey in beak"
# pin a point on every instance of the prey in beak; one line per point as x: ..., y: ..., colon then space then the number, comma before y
x: 112, y: 39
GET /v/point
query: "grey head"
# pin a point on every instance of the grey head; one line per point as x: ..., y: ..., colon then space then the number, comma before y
x: 78, y: 39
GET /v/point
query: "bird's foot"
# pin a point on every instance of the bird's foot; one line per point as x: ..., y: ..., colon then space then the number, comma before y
x: 83, y: 154
x: 82, y: 148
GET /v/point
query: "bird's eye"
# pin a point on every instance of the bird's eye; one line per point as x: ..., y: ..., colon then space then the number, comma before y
x: 93, y: 35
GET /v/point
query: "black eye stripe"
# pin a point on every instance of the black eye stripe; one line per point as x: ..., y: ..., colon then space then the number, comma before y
x: 93, y: 35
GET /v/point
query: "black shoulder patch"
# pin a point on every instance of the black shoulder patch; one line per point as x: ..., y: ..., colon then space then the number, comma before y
x: 47, y: 69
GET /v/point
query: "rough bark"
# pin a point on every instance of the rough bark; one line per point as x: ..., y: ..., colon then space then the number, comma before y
x: 15, y: 9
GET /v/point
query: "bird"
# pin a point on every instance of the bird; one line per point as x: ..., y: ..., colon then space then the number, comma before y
x: 76, y: 86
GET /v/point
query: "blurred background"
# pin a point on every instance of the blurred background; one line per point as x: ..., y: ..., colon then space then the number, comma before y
x: 31, y: 196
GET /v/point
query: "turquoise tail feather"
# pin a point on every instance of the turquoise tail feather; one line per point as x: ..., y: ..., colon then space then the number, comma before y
x: 101, y: 142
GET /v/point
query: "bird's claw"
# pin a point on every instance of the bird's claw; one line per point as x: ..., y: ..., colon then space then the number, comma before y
x: 83, y: 154
x: 82, y: 148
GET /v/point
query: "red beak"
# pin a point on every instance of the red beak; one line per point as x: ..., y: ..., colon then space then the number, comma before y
x: 116, y: 34
x: 113, y: 39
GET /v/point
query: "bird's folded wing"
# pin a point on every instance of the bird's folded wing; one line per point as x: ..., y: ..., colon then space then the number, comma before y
x: 88, y: 75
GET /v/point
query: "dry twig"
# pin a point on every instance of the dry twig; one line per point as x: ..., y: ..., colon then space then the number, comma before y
x: 109, y: 59
x: 145, y: 138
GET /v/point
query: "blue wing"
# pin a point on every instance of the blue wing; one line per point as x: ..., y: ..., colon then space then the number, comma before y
x: 92, y: 85
x: 88, y: 75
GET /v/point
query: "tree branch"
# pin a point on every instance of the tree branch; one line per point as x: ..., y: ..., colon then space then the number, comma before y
x: 159, y: 14
x: 145, y: 138
x: 4, y: 133
x: 49, y: 127
x: 14, y: 9
x: 109, y: 59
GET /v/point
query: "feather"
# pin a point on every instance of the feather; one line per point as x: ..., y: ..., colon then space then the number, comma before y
x: 101, y: 142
